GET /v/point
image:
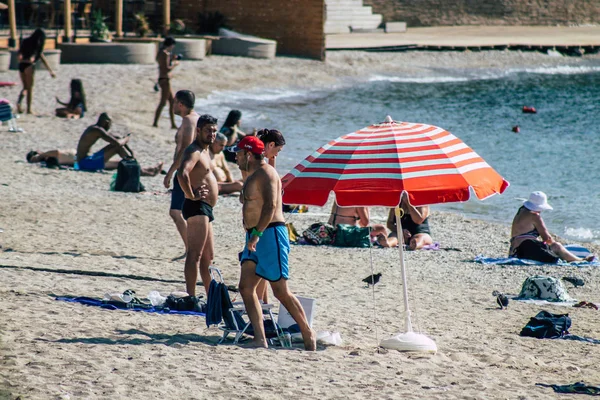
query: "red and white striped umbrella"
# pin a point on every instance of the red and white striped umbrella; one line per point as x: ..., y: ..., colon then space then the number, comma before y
x: 373, y: 166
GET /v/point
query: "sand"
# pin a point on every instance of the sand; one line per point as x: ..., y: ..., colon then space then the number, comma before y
x: 62, y: 226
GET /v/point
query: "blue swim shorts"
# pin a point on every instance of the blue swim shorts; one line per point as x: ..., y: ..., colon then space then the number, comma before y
x: 94, y: 162
x: 271, y: 255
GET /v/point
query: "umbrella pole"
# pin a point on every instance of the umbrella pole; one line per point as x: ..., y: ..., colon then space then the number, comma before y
x: 403, y: 269
x: 409, y: 340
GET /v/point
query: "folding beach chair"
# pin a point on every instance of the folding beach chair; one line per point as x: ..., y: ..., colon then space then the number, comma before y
x: 6, y: 115
x: 234, y: 323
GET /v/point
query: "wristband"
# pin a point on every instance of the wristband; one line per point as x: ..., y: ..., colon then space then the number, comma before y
x: 256, y: 233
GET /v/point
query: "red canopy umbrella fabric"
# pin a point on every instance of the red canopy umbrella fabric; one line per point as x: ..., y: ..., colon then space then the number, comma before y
x: 373, y: 166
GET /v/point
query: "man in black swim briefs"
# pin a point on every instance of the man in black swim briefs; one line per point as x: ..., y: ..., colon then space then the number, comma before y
x: 201, y: 192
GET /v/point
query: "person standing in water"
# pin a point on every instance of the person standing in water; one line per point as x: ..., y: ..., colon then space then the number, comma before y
x: 166, y: 64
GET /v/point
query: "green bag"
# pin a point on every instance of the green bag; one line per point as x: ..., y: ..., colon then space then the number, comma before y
x: 351, y: 236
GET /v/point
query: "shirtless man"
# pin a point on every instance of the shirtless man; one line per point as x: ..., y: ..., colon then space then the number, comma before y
x: 102, y: 158
x: 349, y: 216
x: 166, y: 63
x: 265, y: 255
x: 219, y: 165
x: 201, y: 192
x: 185, y: 135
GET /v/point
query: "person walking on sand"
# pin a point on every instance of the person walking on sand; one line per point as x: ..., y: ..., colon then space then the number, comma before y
x: 265, y: 255
x: 201, y: 192
x: 185, y: 135
x: 528, y: 226
x: 166, y: 63
x: 102, y: 158
x: 31, y: 50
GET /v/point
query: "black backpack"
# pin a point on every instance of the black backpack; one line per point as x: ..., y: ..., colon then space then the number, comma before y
x: 128, y: 176
x: 547, y: 326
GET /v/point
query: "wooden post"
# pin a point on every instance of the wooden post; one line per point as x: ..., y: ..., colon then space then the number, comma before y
x: 166, y: 16
x: 12, y: 20
x: 119, y: 18
x: 67, y: 17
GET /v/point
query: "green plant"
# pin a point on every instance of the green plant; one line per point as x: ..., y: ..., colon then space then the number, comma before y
x: 178, y: 28
x: 211, y: 22
x: 142, y: 26
x: 99, y: 30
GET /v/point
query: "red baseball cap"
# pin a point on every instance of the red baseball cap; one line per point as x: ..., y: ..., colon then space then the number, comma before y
x: 249, y: 143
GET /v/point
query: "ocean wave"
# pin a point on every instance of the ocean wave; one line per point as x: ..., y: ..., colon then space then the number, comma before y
x: 426, y: 79
x: 561, y: 70
x: 217, y: 98
x: 583, y: 234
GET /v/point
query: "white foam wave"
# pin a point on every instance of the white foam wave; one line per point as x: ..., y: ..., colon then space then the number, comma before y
x: 562, y: 70
x: 583, y: 234
x: 426, y: 79
x: 217, y: 97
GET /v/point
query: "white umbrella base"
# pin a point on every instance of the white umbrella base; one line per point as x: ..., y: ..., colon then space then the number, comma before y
x: 410, y: 341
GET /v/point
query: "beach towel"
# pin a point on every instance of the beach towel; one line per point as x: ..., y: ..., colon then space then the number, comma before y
x: 577, y: 388
x: 116, y: 305
x: 521, y: 261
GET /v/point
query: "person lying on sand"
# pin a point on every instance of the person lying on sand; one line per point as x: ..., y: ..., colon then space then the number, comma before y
x: 415, y: 226
x: 220, y: 169
x: 102, y: 158
x: 52, y: 157
x: 528, y: 226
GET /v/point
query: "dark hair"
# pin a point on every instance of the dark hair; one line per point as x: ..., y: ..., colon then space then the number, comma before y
x: 232, y: 119
x: 206, y: 119
x: 33, y: 45
x: 31, y: 154
x: 169, y: 41
x: 103, y: 117
x: 271, y: 135
x: 77, y: 87
x: 186, y: 97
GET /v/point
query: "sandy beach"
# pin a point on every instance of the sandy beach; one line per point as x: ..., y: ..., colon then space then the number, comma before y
x: 65, y: 233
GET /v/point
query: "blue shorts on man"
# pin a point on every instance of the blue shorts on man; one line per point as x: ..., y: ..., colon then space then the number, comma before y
x: 95, y: 162
x: 271, y: 255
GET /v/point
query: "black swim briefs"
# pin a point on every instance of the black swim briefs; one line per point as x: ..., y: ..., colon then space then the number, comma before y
x: 192, y: 208
x: 177, y: 195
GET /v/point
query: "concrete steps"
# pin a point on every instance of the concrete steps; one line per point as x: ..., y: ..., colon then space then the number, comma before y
x: 343, y: 14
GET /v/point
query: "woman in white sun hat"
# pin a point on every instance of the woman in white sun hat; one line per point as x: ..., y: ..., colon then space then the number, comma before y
x: 527, y: 228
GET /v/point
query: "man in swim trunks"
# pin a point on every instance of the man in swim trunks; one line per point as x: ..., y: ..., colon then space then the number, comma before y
x: 219, y: 165
x: 265, y: 255
x: 201, y: 191
x: 185, y: 135
x: 102, y: 159
x: 415, y: 226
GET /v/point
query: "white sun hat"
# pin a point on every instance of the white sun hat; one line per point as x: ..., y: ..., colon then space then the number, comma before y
x: 538, y: 201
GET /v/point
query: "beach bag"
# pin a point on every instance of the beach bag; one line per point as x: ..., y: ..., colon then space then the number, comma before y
x: 319, y: 233
x: 351, y: 236
x: 186, y: 303
x: 547, y: 326
x: 544, y: 288
x: 128, y: 176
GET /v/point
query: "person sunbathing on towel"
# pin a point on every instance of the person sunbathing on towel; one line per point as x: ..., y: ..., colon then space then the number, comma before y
x: 220, y: 169
x: 415, y: 226
x: 527, y: 228
x: 354, y: 216
x: 52, y: 157
x: 102, y: 159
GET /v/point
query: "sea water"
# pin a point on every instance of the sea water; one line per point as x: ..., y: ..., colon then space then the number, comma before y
x: 557, y: 150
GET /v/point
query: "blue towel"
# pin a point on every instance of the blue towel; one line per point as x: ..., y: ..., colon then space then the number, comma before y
x: 520, y: 261
x: 214, y: 305
x: 89, y: 301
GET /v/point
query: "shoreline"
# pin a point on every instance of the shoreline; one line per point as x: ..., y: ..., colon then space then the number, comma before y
x: 70, y: 225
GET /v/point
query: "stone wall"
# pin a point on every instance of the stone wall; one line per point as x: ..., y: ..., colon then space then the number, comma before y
x: 296, y: 25
x: 488, y: 12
